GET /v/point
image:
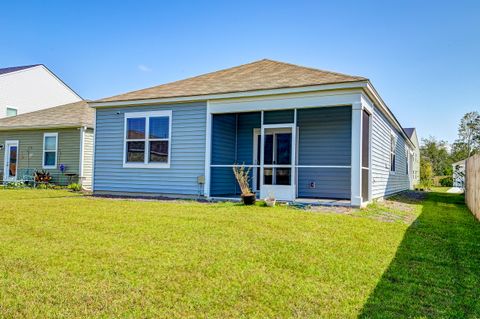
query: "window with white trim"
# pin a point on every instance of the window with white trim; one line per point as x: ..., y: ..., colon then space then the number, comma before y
x: 147, y: 139
x: 11, y: 111
x: 50, y: 150
x: 393, y: 142
x: 407, y: 161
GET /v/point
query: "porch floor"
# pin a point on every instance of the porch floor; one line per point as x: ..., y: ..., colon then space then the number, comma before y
x: 324, y: 202
x: 303, y: 201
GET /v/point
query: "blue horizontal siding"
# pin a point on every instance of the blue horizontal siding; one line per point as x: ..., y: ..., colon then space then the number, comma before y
x: 187, y: 152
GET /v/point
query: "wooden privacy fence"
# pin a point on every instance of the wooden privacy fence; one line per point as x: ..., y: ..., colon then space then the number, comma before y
x: 472, y: 184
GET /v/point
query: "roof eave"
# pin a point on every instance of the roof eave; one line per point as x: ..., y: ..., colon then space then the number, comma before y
x: 44, y: 127
x: 264, y: 92
x: 373, y: 94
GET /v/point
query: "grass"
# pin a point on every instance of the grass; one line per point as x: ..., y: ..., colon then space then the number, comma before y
x: 66, y: 255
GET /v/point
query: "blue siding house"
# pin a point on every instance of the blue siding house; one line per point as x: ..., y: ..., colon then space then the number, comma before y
x: 305, y: 134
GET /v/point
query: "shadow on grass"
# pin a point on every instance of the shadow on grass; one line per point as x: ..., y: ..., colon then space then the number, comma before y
x: 436, y: 270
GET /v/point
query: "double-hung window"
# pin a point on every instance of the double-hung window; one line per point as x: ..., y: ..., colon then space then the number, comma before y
x: 50, y: 150
x: 393, y: 143
x: 147, y: 139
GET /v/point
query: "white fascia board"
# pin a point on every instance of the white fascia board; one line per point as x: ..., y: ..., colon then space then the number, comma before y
x: 286, y: 101
x: 325, y: 87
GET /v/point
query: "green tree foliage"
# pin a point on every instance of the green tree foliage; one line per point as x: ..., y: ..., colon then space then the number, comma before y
x: 436, y: 153
x: 426, y: 172
x: 468, y: 141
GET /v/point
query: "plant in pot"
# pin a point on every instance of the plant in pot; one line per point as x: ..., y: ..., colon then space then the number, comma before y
x: 243, y: 177
x: 270, y: 200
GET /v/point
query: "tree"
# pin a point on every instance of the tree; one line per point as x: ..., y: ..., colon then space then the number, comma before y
x: 436, y: 153
x: 468, y: 134
x: 426, y: 173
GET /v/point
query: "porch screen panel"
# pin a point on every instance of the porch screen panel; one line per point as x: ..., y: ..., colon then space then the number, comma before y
x: 223, y: 139
x: 278, y: 117
x: 324, y: 152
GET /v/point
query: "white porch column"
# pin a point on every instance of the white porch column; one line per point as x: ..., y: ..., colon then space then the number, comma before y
x: 356, y: 165
x: 208, y: 152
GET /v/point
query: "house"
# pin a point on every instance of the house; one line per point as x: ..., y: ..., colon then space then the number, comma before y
x: 30, y: 88
x: 413, y: 156
x: 304, y: 133
x: 58, y: 140
x: 459, y: 174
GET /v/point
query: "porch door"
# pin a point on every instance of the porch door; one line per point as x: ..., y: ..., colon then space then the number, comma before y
x: 276, y: 178
x: 11, y: 161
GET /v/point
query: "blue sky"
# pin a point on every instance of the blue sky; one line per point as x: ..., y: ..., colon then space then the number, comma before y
x: 422, y: 56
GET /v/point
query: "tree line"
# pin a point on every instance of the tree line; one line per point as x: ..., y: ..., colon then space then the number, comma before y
x: 437, y: 156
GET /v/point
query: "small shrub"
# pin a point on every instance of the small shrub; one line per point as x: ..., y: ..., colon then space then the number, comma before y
x: 75, y: 187
x: 446, y: 181
x: 15, y: 185
x: 42, y: 186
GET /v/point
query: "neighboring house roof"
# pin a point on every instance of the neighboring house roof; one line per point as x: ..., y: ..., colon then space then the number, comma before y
x: 17, y: 68
x: 409, y: 131
x: 259, y: 75
x: 76, y: 114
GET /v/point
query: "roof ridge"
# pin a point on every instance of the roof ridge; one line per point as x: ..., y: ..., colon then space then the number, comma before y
x: 229, y: 80
x: 317, y: 69
x: 190, y: 78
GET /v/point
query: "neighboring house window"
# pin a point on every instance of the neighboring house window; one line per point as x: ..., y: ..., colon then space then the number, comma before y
x: 11, y: 111
x: 393, y: 143
x: 50, y: 150
x: 147, y: 139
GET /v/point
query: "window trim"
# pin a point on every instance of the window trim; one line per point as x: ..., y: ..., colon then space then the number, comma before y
x: 11, y: 108
x: 44, y: 151
x: 393, y: 152
x: 147, y: 116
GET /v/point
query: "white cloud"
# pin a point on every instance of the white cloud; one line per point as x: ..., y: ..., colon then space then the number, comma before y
x: 144, y: 68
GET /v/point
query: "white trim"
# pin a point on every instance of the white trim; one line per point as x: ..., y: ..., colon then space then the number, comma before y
x: 313, y: 88
x: 82, y: 153
x: 356, y: 158
x: 208, y: 151
x: 94, y: 150
x: 44, y: 151
x: 6, y: 174
x: 147, y: 139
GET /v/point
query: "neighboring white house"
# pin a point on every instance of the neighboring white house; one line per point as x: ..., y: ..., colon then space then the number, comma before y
x: 24, y: 89
x: 414, y: 156
x: 459, y: 174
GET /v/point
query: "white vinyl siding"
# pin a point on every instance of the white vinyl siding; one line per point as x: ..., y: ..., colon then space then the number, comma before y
x: 384, y: 182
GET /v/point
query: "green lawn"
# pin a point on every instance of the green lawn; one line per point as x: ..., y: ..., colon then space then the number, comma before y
x: 65, y: 255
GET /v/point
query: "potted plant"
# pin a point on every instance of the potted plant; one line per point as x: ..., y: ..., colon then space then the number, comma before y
x: 270, y: 200
x: 243, y: 177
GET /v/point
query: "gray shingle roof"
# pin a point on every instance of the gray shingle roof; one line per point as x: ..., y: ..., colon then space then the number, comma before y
x: 259, y: 75
x: 68, y: 115
x: 16, y: 68
x: 409, y: 131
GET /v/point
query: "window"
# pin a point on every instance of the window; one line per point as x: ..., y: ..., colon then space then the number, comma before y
x: 147, y: 139
x: 50, y: 148
x: 407, y: 161
x: 393, y: 142
x: 11, y: 111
